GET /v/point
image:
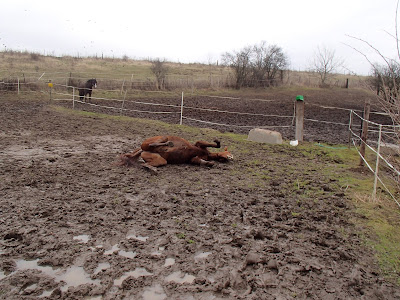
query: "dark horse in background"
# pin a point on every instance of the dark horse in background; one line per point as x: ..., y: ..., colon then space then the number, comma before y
x: 86, y: 89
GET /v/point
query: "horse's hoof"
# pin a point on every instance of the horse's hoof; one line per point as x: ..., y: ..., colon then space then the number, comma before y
x: 210, y: 164
x: 151, y: 169
x: 170, y: 144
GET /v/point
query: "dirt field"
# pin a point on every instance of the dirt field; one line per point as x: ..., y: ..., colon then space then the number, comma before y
x: 269, y: 225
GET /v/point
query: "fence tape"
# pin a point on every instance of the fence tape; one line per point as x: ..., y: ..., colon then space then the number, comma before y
x: 376, y: 124
x: 235, y: 98
x: 234, y: 112
x: 326, y: 122
x: 240, y: 126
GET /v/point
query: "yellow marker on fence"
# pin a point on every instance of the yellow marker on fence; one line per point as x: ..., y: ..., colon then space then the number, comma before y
x: 50, y: 85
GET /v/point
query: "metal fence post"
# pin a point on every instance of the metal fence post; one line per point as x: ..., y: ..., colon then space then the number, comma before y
x: 180, y: 123
x: 378, y: 154
x: 350, y: 126
x: 364, y: 135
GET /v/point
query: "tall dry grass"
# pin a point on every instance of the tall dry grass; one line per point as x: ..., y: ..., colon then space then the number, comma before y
x: 124, y: 73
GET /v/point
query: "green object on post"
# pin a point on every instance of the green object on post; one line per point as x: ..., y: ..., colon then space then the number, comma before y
x: 300, y: 98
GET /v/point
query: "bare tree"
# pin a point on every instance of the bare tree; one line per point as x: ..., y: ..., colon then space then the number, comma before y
x: 240, y: 63
x: 387, y: 80
x: 160, y: 70
x: 325, y: 63
x: 257, y: 65
x: 266, y: 63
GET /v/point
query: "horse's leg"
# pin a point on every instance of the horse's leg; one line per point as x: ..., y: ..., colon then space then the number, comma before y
x: 203, y: 144
x: 198, y: 161
x: 152, y: 160
x: 90, y: 95
x: 162, y: 141
x: 134, y: 154
x: 80, y: 94
x: 128, y: 159
x: 169, y: 144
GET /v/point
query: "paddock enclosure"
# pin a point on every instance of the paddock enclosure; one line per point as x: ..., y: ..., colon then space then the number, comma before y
x: 272, y: 224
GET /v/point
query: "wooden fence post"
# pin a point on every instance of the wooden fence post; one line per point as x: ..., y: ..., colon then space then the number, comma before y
x: 364, y: 134
x: 299, y: 118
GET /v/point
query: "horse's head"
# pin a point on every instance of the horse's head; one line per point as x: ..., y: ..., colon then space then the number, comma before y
x: 93, y: 82
x: 224, y: 156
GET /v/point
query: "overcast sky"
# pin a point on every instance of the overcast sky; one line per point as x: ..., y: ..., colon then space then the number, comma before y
x: 200, y: 31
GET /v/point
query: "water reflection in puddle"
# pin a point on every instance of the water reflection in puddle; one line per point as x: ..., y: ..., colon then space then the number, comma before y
x: 158, y: 252
x: 201, y: 255
x: 115, y: 248
x: 73, y: 276
x: 155, y: 292
x: 179, y: 278
x: 101, y: 267
x: 46, y: 294
x: 139, y: 238
x: 138, y: 272
x: 84, y: 238
x: 128, y: 254
x: 2, y: 275
x: 112, y: 250
x: 169, y: 262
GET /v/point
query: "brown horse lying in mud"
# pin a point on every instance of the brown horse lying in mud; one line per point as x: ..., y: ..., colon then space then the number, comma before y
x: 161, y: 150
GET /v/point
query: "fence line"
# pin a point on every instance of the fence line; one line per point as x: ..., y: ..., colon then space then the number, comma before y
x: 384, y: 130
x: 378, y: 154
x: 172, y: 106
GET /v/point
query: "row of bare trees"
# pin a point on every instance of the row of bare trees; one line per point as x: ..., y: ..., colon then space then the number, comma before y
x: 261, y: 65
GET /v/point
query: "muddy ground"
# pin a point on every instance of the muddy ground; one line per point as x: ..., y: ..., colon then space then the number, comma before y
x: 269, y: 225
x: 326, y: 116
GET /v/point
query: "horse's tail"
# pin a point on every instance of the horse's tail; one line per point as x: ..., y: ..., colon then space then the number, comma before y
x: 129, y: 159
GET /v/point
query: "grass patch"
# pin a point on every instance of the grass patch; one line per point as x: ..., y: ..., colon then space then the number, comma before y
x: 383, y: 221
x: 381, y: 217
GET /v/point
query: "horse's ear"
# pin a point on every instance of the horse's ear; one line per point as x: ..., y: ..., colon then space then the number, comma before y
x: 226, y: 149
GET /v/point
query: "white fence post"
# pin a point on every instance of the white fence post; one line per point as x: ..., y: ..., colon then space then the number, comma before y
x: 18, y: 85
x: 180, y: 123
x: 377, y: 162
x: 123, y: 103
x: 73, y: 97
x: 350, y: 127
